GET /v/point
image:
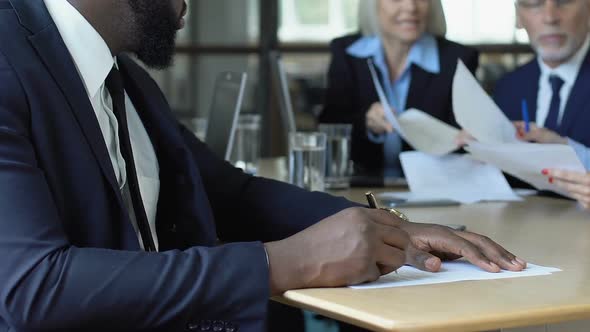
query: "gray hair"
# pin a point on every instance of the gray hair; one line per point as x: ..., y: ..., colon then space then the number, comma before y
x: 369, y: 23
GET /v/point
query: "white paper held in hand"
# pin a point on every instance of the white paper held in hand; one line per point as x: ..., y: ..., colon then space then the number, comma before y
x: 428, y: 134
x: 526, y: 161
x: 477, y: 113
x: 421, y: 130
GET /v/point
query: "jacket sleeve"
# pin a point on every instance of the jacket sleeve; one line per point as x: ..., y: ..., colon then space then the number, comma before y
x: 49, y: 285
x: 248, y: 208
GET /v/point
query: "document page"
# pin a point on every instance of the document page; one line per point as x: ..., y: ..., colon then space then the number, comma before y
x: 526, y: 161
x: 450, y: 272
x: 456, y: 177
x: 428, y: 134
x: 477, y: 113
x: 422, y: 131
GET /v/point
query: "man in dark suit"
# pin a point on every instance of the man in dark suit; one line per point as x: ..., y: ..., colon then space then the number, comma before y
x: 556, y: 82
x: 110, y: 212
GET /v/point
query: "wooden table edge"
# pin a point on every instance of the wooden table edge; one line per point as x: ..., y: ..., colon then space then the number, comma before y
x: 372, y: 322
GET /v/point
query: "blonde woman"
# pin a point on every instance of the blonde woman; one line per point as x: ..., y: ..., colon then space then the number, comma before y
x: 415, y: 63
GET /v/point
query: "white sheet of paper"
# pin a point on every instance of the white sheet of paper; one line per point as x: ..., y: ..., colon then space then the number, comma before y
x: 389, y: 113
x: 476, y: 112
x: 456, y: 177
x: 450, y: 272
x: 422, y: 131
x: 428, y: 134
x: 526, y: 161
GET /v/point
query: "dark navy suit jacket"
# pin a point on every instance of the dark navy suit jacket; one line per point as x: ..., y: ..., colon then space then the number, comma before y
x: 351, y: 93
x: 69, y: 258
x: 523, y: 83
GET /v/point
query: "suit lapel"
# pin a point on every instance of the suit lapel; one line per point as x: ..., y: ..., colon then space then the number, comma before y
x: 48, y: 43
x: 577, y: 101
x: 32, y: 14
x: 54, y: 54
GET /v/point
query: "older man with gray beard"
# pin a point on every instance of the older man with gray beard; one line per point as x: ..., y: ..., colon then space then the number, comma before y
x: 555, y: 84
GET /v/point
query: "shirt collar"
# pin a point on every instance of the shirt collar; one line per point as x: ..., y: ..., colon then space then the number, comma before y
x: 424, y: 52
x: 568, y: 71
x: 88, y: 49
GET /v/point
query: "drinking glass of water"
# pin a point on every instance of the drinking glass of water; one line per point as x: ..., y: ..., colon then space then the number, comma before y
x: 338, y: 163
x: 307, y: 160
x: 246, y: 149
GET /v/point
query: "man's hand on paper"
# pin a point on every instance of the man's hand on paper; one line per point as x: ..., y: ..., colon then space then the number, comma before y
x: 358, y: 245
x: 351, y: 247
x: 575, y: 183
x: 538, y: 135
x: 376, y: 121
x: 432, y: 243
x: 464, y: 138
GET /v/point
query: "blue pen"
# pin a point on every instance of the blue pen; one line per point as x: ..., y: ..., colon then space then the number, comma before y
x: 525, y: 116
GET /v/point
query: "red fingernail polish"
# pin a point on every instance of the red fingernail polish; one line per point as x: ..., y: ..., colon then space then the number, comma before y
x: 545, y: 172
x: 550, y: 180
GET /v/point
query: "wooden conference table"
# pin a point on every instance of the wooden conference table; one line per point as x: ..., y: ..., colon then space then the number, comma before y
x: 543, y: 231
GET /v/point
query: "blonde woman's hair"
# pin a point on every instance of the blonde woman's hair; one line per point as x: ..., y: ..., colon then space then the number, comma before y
x: 369, y: 21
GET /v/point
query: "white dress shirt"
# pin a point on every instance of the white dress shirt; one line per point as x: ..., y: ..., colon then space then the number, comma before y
x: 94, y: 61
x: 568, y: 72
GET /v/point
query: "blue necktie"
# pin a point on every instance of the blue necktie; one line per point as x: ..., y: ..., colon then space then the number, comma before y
x: 553, y: 116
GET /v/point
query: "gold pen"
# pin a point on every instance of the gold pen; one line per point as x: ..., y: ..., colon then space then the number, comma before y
x: 373, y: 204
x: 372, y: 201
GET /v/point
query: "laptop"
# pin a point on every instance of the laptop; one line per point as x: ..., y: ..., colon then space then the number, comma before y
x: 282, y: 87
x: 228, y: 94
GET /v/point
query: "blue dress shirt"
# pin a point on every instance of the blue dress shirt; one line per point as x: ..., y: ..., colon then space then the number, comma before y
x: 424, y: 53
